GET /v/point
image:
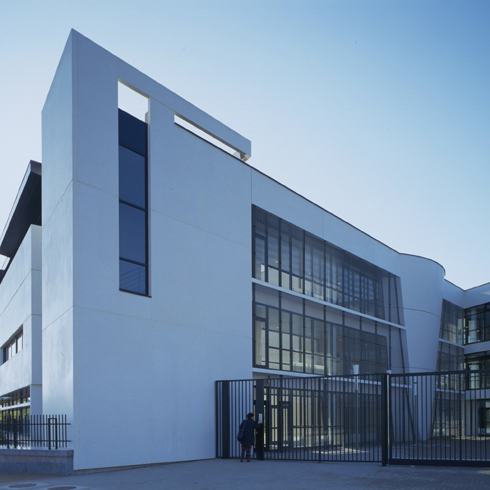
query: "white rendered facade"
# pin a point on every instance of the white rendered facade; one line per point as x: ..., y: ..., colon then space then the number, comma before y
x: 135, y: 373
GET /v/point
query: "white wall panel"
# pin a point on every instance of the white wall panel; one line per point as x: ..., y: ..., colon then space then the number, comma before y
x: 178, y: 272
x: 180, y: 381
x: 35, y: 340
x: 181, y: 193
x: 422, y: 286
x: 58, y: 243
x: 279, y: 200
x: 97, y: 116
x: 477, y: 296
x: 228, y: 287
x: 348, y: 238
x: 228, y: 205
x: 59, y: 193
x: 387, y: 258
x: 114, y: 386
x: 453, y: 294
x: 161, y: 133
x: 58, y: 359
x: 58, y: 133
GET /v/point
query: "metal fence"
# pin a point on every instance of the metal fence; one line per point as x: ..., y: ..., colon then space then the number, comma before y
x: 429, y: 418
x: 339, y: 418
x: 438, y: 418
x: 34, y: 431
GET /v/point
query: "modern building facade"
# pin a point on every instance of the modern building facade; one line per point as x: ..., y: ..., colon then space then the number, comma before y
x: 147, y: 263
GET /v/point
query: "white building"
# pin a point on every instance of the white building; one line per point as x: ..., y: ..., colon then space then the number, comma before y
x: 163, y: 263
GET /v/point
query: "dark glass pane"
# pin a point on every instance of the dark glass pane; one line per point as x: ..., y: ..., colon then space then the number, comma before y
x: 132, y: 132
x: 132, y: 277
x: 132, y: 234
x: 132, y: 177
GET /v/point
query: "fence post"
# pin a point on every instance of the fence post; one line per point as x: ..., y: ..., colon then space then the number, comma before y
x: 49, y: 432
x: 318, y: 421
x: 259, y: 411
x: 56, y: 431
x: 225, y: 419
x: 15, y: 432
x: 385, y: 417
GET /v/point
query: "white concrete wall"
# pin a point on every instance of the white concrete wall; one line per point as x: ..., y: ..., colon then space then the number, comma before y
x: 422, y: 285
x: 20, y: 306
x: 477, y: 296
x: 453, y: 293
x: 136, y: 374
x: 58, y: 211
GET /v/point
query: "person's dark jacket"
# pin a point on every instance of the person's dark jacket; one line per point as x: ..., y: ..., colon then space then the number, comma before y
x: 248, y: 427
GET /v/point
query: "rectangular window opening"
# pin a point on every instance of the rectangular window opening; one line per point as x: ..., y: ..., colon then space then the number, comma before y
x: 132, y: 101
x: 133, y: 192
x: 208, y: 137
x: 14, y: 345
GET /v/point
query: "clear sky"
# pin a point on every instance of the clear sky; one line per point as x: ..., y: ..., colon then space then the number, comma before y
x: 377, y: 110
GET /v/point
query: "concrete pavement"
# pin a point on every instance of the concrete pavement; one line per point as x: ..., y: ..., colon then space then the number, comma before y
x: 222, y: 474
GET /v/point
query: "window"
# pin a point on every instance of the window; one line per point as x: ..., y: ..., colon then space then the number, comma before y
x: 133, y: 205
x: 14, y: 345
x: 451, y: 323
x: 287, y: 256
x: 477, y: 324
x: 292, y: 335
x: 476, y: 362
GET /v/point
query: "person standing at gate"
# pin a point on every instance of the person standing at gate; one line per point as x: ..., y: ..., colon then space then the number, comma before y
x: 248, y: 426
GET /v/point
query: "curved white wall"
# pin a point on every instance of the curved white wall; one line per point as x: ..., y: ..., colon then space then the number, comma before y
x: 422, y: 287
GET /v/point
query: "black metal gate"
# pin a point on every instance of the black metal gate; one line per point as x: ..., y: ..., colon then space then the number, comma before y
x: 439, y: 418
x: 429, y: 418
x: 339, y: 418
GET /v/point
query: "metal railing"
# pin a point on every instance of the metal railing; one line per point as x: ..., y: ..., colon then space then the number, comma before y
x: 440, y: 418
x: 428, y: 418
x: 34, y: 431
x: 339, y: 418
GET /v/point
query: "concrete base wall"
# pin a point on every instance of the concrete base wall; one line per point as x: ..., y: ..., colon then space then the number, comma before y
x: 41, y: 462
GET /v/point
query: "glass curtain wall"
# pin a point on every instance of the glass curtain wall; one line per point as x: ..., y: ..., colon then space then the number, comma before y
x: 477, y: 362
x: 477, y: 324
x: 451, y: 357
x: 289, y: 257
x: 451, y: 354
x: 452, y: 318
x: 293, y: 334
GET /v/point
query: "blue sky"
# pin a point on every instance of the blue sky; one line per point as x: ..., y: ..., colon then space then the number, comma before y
x: 378, y: 111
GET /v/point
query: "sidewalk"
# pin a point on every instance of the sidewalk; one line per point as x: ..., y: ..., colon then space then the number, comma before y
x: 222, y: 474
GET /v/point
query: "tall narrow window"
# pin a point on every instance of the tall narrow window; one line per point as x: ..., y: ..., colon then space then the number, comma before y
x: 133, y: 204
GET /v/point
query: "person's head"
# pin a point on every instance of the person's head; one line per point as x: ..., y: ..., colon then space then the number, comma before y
x: 250, y: 415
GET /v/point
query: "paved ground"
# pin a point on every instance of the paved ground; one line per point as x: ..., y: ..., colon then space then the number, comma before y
x: 271, y: 475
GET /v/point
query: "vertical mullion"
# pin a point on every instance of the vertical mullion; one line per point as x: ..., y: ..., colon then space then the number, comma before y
x: 266, y: 247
